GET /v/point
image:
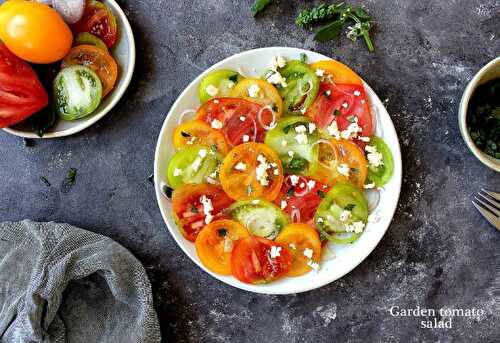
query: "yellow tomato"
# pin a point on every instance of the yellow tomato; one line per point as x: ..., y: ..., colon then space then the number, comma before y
x: 259, y: 91
x: 33, y: 31
x: 340, y: 73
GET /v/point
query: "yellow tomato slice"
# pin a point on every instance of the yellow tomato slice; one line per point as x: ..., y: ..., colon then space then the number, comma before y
x: 251, y: 170
x: 303, y: 242
x: 259, y: 91
x: 340, y: 73
x: 200, y: 133
x: 214, y: 244
x: 331, y: 155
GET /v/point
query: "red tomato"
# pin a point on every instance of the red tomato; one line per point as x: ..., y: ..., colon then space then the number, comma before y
x: 301, y: 200
x: 99, y: 21
x: 21, y: 93
x: 231, y: 112
x: 188, y: 209
x: 331, y: 104
x: 252, y: 261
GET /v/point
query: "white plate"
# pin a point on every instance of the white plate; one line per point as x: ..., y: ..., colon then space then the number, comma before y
x: 124, y: 54
x: 252, y: 63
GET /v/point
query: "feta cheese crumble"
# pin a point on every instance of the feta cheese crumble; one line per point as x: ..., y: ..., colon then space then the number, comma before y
x: 261, y: 170
x: 311, y: 184
x: 357, y: 93
x: 356, y: 227
x: 207, y: 208
x: 284, y: 143
x: 374, y: 157
x: 301, y: 138
x: 352, y: 130
x: 300, y: 129
x: 333, y: 130
x: 345, y: 105
x: 292, y: 246
x: 345, y: 215
x: 344, y: 169
x: 276, y: 79
x: 291, y: 153
x: 275, y: 251
x: 177, y: 172
x: 369, y: 185
x: 364, y: 139
x: 216, y: 124
x: 253, y: 90
x: 277, y: 62
x: 320, y: 72
x: 283, y: 204
x: 202, y: 153
x: 242, y: 118
x: 196, y: 164
x: 308, y: 253
x: 240, y: 166
x: 245, y: 138
x: 294, y: 179
x: 212, y: 90
x: 311, y: 127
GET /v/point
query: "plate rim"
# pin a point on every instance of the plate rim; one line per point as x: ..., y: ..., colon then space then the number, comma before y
x: 241, y: 285
x: 117, y: 96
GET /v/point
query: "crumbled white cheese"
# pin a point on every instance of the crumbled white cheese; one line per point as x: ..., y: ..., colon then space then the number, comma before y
x: 303, y: 110
x: 345, y: 215
x: 177, y: 172
x: 242, y: 118
x: 230, y: 84
x: 216, y: 101
x: 253, y: 90
x: 277, y: 62
x: 294, y: 179
x: 202, y: 153
x: 311, y: 184
x: 333, y: 130
x: 320, y: 72
x: 216, y: 124
x: 196, y: 164
x: 275, y: 251
x: 276, y: 171
x: 313, y: 265
x: 283, y: 204
x: 292, y: 246
x: 300, y: 129
x: 211, y: 180
x: 291, y: 153
x: 276, y: 79
x: 357, y: 93
x: 240, y: 166
x: 212, y: 90
x: 301, y: 138
x: 369, y: 185
x: 255, y: 202
x: 207, y: 208
x: 245, y: 138
x: 261, y: 170
x: 302, y: 185
x: 356, y: 227
x: 364, y: 139
x: 284, y: 142
x: 374, y: 157
x: 311, y: 127
x: 362, y: 101
x: 344, y: 169
x: 308, y: 253
x: 328, y: 93
x: 345, y: 105
x: 320, y: 220
x: 352, y: 130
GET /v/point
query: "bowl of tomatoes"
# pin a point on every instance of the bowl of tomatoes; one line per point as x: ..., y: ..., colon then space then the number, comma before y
x: 64, y: 64
x: 278, y: 170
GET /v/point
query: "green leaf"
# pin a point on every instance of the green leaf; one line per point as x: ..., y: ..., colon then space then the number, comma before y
x: 349, y: 207
x: 295, y: 165
x: 330, y: 31
x: 259, y: 5
x: 303, y: 57
x: 361, y: 14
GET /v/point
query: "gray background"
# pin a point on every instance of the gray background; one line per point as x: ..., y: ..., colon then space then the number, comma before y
x: 438, y: 252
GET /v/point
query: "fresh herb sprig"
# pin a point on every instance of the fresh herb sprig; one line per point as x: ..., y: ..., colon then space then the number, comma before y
x: 259, y: 6
x: 340, y: 14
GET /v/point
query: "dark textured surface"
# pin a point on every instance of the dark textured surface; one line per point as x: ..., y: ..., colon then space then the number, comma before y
x: 438, y: 252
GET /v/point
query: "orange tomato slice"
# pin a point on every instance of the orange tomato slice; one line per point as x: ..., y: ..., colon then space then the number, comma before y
x: 98, y: 60
x: 251, y: 170
x: 199, y: 132
x: 340, y: 73
x: 263, y: 93
x: 301, y: 240
x: 214, y: 244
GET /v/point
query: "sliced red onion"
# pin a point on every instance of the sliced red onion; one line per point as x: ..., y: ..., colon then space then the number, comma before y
x: 302, y: 192
x: 183, y: 114
x: 373, y: 198
x: 295, y: 215
x: 325, y: 141
x: 259, y: 118
x: 70, y: 10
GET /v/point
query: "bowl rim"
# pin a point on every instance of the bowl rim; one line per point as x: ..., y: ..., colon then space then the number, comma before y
x: 240, y: 285
x: 487, y: 160
x: 115, y: 96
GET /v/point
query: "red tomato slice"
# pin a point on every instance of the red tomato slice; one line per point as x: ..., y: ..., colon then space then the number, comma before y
x: 188, y: 209
x: 252, y: 261
x: 21, y: 93
x: 239, y: 118
x: 99, y: 21
x: 301, y: 200
x: 332, y: 98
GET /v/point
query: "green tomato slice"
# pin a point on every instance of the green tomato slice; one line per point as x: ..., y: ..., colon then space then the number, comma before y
x: 288, y: 136
x: 382, y: 174
x: 195, y: 164
x: 89, y: 39
x: 302, y: 87
x: 217, y: 83
x: 328, y: 217
x: 77, y: 92
x: 262, y: 218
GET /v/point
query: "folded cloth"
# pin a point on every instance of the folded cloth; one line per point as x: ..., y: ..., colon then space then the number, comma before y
x: 59, y: 283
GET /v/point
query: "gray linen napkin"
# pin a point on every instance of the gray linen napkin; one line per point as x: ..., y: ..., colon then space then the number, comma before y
x: 59, y: 283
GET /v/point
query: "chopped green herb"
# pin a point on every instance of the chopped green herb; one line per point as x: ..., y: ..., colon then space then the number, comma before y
x: 327, y: 94
x: 71, y: 176
x: 295, y: 165
x: 45, y: 181
x: 351, y: 119
x: 275, y: 107
x: 194, y: 209
x: 355, y: 170
x: 349, y: 207
x: 222, y: 232
x: 336, y: 113
x: 185, y: 134
x: 213, y: 147
x: 259, y: 6
x: 303, y: 57
x: 321, y: 194
x: 290, y: 192
x: 233, y: 78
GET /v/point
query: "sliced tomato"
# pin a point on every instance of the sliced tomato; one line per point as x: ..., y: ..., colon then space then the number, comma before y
x: 199, y: 132
x: 98, y: 60
x: 300, y: 196
x: 239, y: 172
x: 215, y: 243
x: 304, y: 244
x: 21, y: 92
x: 98, y: 20
x: 344, y: 103
x: 242, y: 120
x: 337, y: 72
x: 259, y: 91
x: 188, y: 208
x: 253, y: 262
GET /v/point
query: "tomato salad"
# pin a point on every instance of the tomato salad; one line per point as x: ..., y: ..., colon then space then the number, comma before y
x: 272, y: 170
x: 55, y: 59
